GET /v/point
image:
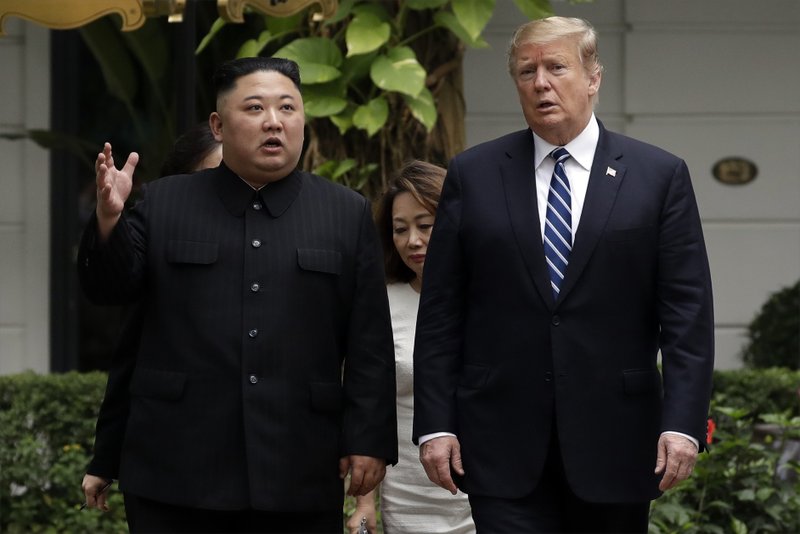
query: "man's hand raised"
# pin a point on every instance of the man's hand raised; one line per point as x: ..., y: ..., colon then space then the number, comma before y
x: 113, y: 189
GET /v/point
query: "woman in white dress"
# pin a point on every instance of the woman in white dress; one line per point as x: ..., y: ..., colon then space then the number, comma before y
x: 410, y: 503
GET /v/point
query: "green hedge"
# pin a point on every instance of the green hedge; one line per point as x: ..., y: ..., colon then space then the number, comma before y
x: 735, y: 488
x: 47, y: 429
x: 47, y: 434
x: 774, y: 333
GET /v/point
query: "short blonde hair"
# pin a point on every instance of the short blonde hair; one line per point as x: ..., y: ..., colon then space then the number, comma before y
x: 547, y: 30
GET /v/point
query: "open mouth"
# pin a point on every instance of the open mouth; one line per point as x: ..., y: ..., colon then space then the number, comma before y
x: 273, y: 142
x: 544, y: 106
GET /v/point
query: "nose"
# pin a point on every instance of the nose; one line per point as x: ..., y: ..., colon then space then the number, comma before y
x: 415, y: 238
x: 541, y: 81
x: 271, y: 121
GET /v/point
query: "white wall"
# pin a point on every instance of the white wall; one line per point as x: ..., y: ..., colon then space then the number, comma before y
x: 704, y: 80
x: 24, y: 200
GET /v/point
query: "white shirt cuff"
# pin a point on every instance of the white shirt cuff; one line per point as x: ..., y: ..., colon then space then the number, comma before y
x: 687, y: 436
x: 428, y: 437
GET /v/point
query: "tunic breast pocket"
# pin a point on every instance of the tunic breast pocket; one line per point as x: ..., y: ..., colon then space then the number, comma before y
x: 319, y: 260
x: 191, y: 252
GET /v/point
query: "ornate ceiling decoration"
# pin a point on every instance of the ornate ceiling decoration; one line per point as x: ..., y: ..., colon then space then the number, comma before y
x: 69, y: 14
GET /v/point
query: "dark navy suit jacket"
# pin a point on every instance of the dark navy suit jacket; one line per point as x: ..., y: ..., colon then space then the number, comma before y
x: 501, y: 365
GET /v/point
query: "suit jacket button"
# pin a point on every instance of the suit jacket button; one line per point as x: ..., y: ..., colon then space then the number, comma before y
x: 548, y: 376
x: 253, y: 333
x: 253, y: 379
x: 556, y: 320
x: 254, y: 287
x: 256, y: 243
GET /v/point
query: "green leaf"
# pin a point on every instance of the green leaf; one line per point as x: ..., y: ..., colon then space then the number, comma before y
x: 449, y: 21
x: 419, y: 5
x: 343, y: 167
x: 323, y: 100
x: 366, y: 33
x: 344, y: 120
x: 113, y: 57
x: 356, y: 68
x: 342, y: 12
x: 215, y: 28
x: 277, y: 25
x: 535, y: 9
x: 317, y: 57
x: 737, y: 526
x: 473, y: 15
x: 423, y: 108
x: 764, y: 493
x: 372, y: 116
x: 398, y: 71
x: 746, y: 495
x: 150, y: 46
x: 370, y: 7
x: 253, y: 47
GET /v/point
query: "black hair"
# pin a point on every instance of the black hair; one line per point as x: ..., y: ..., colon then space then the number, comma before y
x: 423, y: 181
x: 228, y: 72
x: 189, y: 150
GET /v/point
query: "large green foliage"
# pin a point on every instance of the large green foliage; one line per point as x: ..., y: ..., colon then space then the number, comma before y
x: 736, y: 487
x: 774, y: 333
x: 46, y: 432
x: 47, y: 428
x: 381, y: 80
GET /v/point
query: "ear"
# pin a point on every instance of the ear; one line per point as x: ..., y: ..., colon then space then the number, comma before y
x: 594, y: 83
x: 215, y: 123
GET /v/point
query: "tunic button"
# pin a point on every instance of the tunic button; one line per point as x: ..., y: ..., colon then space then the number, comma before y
x: 253, y: 333
x: 254, y: 287
x: 256, y: 243
x: 253, y: 379
x: 256, y: 206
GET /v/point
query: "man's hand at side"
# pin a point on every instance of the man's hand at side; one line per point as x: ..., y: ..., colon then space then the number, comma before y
x: 95, y: 489
x: 366, y: 472
x: 438, y: 455
x: 676, y: 458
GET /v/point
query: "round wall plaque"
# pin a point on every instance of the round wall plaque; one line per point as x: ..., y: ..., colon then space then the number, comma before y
x: 735, y: 171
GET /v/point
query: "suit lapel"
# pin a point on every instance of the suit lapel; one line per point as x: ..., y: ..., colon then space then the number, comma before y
x: 519, y: 183
x: 605, y: 179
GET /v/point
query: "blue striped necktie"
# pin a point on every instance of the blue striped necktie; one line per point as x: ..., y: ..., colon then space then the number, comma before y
x: 558, y: 222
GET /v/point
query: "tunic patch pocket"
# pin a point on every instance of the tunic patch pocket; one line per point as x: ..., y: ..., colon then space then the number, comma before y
x: 195, y: 252
x: 324, y: 261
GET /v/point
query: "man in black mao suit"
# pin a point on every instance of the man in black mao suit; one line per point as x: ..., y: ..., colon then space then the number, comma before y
x: 536, y: 383
x: 265, y: 370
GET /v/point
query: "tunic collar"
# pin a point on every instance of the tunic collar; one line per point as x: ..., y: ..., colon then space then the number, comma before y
x: 237, y: 195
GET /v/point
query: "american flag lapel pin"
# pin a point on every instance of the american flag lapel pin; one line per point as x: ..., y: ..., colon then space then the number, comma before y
x: 611, y: 172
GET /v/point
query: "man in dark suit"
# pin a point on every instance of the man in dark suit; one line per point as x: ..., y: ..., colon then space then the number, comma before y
x: 265, y: 370
x: 549, y: 289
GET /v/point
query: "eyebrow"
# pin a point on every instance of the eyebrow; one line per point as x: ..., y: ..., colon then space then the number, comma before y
x: 261, y: 97
x: 418, y: 216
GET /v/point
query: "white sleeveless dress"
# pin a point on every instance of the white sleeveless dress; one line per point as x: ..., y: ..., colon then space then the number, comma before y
x: 410, y: 503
